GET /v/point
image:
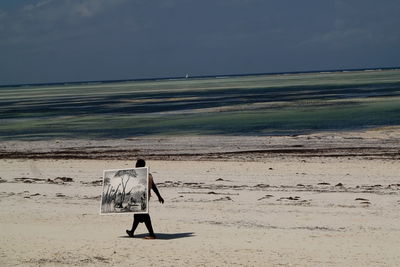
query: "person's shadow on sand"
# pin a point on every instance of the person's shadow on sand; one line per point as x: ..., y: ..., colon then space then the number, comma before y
x: 164, y: 236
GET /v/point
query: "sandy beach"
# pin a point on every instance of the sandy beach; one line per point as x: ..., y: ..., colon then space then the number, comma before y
x: 326, y: 199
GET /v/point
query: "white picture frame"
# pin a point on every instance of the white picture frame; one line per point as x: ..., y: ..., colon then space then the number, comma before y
x: 125, y: 191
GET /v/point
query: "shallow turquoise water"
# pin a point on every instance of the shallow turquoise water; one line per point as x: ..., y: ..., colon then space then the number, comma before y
x: 250, y: 105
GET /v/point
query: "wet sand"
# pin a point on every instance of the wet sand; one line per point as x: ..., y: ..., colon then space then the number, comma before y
x: 329, y: 199
x: 381, y: 143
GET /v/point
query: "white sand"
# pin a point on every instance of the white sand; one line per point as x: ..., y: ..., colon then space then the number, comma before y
x: 238, y: 225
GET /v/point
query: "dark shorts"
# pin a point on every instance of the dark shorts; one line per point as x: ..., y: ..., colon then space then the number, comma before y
x: 141, y: 217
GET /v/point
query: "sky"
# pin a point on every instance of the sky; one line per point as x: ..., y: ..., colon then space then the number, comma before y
x: 44, y: 41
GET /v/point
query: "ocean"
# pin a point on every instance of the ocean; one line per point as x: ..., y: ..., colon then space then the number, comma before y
x: 279, y: 104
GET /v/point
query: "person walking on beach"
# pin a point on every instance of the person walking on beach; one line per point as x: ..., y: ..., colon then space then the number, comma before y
x: 140, y: 218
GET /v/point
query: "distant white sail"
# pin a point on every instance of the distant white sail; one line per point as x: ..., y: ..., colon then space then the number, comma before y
x: 187, y: 75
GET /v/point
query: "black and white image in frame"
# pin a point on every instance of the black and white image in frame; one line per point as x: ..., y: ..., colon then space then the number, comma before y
x: 125, y: 191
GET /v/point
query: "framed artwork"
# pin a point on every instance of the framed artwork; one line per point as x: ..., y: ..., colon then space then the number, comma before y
x: 125, y: 191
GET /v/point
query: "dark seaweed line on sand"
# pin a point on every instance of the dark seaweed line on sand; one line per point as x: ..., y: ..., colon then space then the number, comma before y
x: 375, y: 152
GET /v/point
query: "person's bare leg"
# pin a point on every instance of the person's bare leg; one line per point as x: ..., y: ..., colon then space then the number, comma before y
x: 147, y: 221
x: 134, y: 226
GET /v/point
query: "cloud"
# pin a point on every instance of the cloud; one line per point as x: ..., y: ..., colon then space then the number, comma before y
x: 30, y: 7
x: 90, y: 8
x: 50, y: 19
x: 358, y: 23
x: 74, y: 8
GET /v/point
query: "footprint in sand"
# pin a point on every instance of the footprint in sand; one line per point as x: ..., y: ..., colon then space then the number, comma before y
x: 265, y: 197
x: 28, y: 180
x: 288, y: 198
x: 222, y: 180
x: 61, y: 180
x: 97, y: 182
x: 296, y: 200
x: 364, y: 201
x: 6, y: 194
x: 223, y: 199
x: 262, y: 185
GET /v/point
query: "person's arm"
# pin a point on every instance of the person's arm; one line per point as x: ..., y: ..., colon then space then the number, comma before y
x: 155, y: 189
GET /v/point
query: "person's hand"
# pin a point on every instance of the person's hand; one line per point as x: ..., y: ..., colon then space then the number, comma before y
x: 161, y: 200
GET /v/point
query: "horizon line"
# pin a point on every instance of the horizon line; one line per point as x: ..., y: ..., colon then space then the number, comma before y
x: 197, y: 77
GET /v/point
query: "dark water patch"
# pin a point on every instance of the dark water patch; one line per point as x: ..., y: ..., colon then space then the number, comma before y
x: 202, y: 107
x: 119, y: 104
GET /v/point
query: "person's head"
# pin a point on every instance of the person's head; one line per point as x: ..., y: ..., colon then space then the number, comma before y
x: 140, y: 163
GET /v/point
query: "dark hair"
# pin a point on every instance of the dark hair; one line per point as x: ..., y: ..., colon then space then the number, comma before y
x: 140, y: 163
